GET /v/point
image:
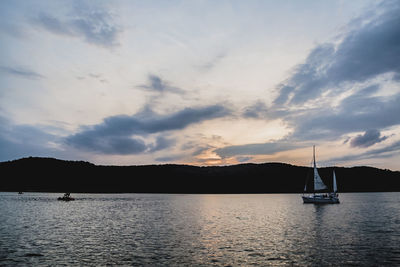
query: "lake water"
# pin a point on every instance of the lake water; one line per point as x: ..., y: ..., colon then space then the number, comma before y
x: 199, y: 230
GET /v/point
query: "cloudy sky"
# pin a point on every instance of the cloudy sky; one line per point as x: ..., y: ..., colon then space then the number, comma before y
x: 201, y: 82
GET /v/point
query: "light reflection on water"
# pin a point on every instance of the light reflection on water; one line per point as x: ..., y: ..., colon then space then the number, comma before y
x: 200, y: 230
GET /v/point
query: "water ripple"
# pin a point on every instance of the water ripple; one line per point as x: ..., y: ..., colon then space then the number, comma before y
x: 199, y: 230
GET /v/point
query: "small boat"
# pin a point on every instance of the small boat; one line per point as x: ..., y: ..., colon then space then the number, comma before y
x: 318, y: 197
x: 20, y: 193
x: 66, y: 197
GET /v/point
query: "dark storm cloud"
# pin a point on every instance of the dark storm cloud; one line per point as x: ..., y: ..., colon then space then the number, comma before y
x: 93, y: 26
x: 109, y: 136
x: 364, y: 53
x: 21, y: 72
x: 254, y: 149
x: 368, y: 139
x: 156, y: 84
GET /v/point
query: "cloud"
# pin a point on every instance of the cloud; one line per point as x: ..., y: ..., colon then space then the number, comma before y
x: 369, y: 138
x: 156, y: 84
x: 360, y: 111
x: 387, y: 151
x: 284, y: 91
x: 200, y: 149
x: 209, y: 65
x: 365, y: 52
x: 114, y: 145
x: 243, y: 159
x: 18, y: 141
x: 10, y: 21
x: 109, y: 136
x: 21, y: 72
x: 53, y: 24
x: 170, y: 158
x: 354, y: 114
x: 254, y: 149
x: 96, y: 76
x: 196, y: 147
x: 256, y: 111
x: 93, y: 26
x: 162, y: 143
x: 394, y: 147
x: 11, y: 29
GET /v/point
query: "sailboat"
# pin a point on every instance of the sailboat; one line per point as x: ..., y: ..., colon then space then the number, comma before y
x: 317, y: 197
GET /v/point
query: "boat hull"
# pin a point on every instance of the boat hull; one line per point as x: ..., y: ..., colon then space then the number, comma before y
x: 318, y: 199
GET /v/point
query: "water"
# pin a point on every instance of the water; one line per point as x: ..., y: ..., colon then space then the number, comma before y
x: 199, y: 230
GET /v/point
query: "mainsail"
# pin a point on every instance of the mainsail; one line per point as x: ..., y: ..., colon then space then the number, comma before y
x: 318, y: 183
x: 334, y: 182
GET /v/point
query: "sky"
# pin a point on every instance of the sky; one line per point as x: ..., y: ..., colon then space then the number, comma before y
x: 201, y: 82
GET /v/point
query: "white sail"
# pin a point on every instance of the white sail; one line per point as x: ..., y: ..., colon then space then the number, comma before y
x: 318, y: 183
x: 334, y: 182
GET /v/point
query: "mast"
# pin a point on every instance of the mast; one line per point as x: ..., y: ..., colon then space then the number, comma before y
x: 315, y: 168
x: 318, y: 183
x: 315, y: 164
x: 316, y: 175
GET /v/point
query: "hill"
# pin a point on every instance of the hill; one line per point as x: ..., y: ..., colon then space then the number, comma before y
x: 53, y: 175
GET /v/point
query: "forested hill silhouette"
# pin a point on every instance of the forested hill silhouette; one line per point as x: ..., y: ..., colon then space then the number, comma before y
x: 53, y: 175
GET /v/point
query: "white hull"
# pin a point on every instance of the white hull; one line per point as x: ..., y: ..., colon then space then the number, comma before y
x: 321, y: 199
